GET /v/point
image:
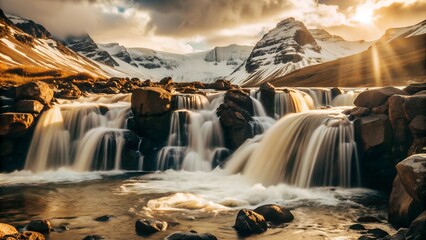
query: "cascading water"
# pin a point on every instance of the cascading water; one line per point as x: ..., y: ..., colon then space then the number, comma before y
x: 292, y: 101
x: 320, y: 96
x: 261, y: 120
x: 304, y: 149
x: 80, y: 135
x: 345, y: 99
x: 195, y: 140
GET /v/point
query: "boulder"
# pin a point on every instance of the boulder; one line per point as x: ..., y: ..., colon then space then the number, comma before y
x: 357, y: 227
x: 412, y: 172
x: 166, y: 80
x: 414, y: 106
x: 376, y: 97
x: 382, y: 109
x: 104, y: 218
x: 267, y: 87
x: 39, y: 91
x: 335, y: 91
x: 396, y: 111
x: 417, y: 229
x: 69, y: 91
x: 15, y: 123
x: 374, y: 130
x: 155, y: 128
x: 149, y: 226
x: 275, y: 214
x: 220, y: 84
x: 6, y: 229
x: 415, y: 88
x: 402, y: 207
x: 418, y: 126
x: 148, y: 101
x: 240, y: 98
x: 360, y: 111
x: 30, y: 235
x: 93, y: 237
x: 249, y: 222
x: 400, y: 235
x: 42, y: 226
x: 191, y: 236
x: 29, y: 106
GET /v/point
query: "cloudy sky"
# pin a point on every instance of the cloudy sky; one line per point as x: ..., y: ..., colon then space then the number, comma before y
x: 184, y: 26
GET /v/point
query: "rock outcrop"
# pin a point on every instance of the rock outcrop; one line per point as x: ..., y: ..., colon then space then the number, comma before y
x: 249, y: 222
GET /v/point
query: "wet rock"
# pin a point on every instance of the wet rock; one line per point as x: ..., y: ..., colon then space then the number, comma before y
x: 15, y: 123
x: 414, y: 106
x: 166, y: 80
x: 275, y: 214
x: 368, y: 219
x: 382, y: 109
x: 69, y: 91
x: 396, y: 110
x: 415, y: 88
x: 150, y: 101
x: 378, y: 233
x: 110, y: 90
x: 335, y: 91
x: 412, y: 172
x: 417, y: 229
x: 374, y: 130
x: 360, y: 111
x: 29, y: 106
x: 357, y: 227
x: 403, y: 209
x: 418, y: 126
x: 266, y: 87
x: 42, y: 226
x: 104, y: 218
x: 149, y: 226
x: 6, y: 229
x: 400, y: 235
x: 155, y: 128
x: 191, y: 236
x: 220, y: 84
x: 249, y: 222
x: 267, y: 98
x: 30, y: 235
x: 93, y: 237
x: 39, y: 91
x: 418, y: 146
x: 376, y: 97
x: 240, y: 98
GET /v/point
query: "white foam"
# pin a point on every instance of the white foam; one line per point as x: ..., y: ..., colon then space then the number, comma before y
x: 62, y: 175
x: 217, y: 191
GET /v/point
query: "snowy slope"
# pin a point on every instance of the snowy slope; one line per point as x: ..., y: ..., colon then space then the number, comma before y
x: 291, y: 46
x: 404, y: 32
x: 203, y: 66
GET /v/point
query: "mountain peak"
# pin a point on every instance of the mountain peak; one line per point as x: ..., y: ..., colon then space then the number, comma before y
x: 323, y: 35
x: 287, y: 21
x: 30, y: 27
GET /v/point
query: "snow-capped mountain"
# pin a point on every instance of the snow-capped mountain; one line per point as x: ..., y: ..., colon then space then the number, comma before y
x: 404, y: 32
x: 32, y: 46
x: 204, y: 66
x: 288, y: 47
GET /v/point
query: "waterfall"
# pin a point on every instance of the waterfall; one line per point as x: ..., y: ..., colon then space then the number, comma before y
x: 191, y: 101
x: 80, y: 135
x: 304, y: 149
x: 195, y: 139
x: 345, y: 99
x: 292, y: 101
x: 261, y: 120
x: 320, y: 96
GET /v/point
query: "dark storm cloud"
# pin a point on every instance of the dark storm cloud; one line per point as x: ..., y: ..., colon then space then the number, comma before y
x: 186, y: 17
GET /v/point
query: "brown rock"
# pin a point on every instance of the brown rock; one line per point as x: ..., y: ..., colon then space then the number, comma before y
x: 374, y: 130
x: 149, y: 101
x: 42, y: 226
x: 376, y: 97
x: 36, y: 91
x: 29, y: 106
x: 417, y: 230
x: 418, y: 126
x: 13, y: 123
x: 396, y: 110
x: 275, y: 214
x: 166, y: 80
x: 360, y: 111
x: 249, y: 222
x: 415, y: 105
x: 382, y: 109
x: 6, y: 229
x: 412, y: 172
x: 402, y: 207
x: 415, y: 88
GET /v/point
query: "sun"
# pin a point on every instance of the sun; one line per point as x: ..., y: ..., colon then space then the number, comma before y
x: 363, y: 14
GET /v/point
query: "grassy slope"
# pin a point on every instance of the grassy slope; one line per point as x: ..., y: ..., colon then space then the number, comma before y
x: 383, y: 64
